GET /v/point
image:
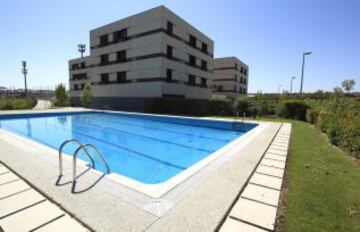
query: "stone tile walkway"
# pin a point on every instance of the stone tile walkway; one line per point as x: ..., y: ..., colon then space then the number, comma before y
x: 255, y: 210
x: 22, y: 208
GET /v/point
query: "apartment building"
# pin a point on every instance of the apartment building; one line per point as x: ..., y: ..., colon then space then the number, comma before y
x: 231, y: 76
x: 153, y: 54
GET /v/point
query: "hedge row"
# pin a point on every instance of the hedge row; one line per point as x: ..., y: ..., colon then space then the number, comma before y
x: 17, y: 104
x: 340, y: 120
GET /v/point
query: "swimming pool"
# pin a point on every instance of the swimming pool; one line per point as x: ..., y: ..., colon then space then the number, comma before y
x: 147, y: 148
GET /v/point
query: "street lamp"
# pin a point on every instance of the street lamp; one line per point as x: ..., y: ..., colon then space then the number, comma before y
x: 24, y: 71
x: 291, y: 81
x: 302, y: 71
x: 279, y: 88
x: 81, y: 49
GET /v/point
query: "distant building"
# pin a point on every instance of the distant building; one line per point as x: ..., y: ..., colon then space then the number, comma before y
x: 231, y: 76
x: 154, y: 54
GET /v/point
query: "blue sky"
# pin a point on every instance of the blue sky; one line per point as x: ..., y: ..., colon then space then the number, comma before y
x: 269, y: 35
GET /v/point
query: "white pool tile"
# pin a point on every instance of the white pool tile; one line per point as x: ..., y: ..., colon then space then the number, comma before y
x: 12, y: 188
x: 275, y: 157
x: 255, y: 213
x: 232, y: 225
x: 31, y: 218
x: 270, y: 171
x: 273, y: 163
x: 8, y: 177
x: 258, y: 193
x: 19, y: 201
x: 267, y: 181
x: 62, y: 224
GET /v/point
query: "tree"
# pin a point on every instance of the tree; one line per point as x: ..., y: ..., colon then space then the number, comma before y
x: 62, y: 98
x: 338, y: 90
x: 86, y: 96
x: 348, y: 85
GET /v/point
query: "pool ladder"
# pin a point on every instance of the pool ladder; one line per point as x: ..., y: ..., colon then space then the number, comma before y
x: 81, y: 147
x: 236, y: 123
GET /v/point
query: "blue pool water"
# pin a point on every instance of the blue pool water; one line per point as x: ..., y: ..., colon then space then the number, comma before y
x: 149, y: 149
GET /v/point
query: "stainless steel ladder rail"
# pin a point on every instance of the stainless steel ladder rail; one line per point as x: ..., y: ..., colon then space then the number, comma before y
x: 83, y: 147
x: 236, y: 119
x: 61, y: 158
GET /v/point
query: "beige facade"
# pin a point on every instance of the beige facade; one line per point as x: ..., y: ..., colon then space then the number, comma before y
x: 231, y: 76
x: 148, y: 55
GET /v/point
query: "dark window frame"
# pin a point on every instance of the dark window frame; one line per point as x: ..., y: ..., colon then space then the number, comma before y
x: 192, y: 41
x: 169, y: 51
x: 169, y: 75
x: 121, y: 56
x: 191, y: 79
x: 192, y: 60
x: 104, y: 40
x: 121, y: 77
x: 203, y: 81
x: 170, y: 28
x: 204, y: 47
x: 203, y: 64
x: 104, y: 78
x: 104, y: 59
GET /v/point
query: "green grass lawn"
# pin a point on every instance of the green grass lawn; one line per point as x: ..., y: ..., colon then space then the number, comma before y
x: 323, y: 185
x: 322, y: 191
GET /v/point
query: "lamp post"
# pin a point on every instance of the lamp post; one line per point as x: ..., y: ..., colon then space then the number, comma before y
x: 24, y: 71
x: 81, y: 49
x: 291, y: 81
x: 302, y: 70
x: 279, y: 88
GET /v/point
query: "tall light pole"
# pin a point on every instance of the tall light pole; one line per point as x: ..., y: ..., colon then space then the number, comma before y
x: 24, y: 71
x: 291, y: 81
x: 81, y: 49
x: 302, y: 70
x: 279, y: 88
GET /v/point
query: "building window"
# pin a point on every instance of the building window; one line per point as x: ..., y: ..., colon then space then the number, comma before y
x: 121, y: 56
x: 168, y: 75
x: 204, y: 47
x: 192, y: 60
x: 169, y: 52
x: 104, y: 59
x: 104, y: 40
x: 82, y: 65
x: 192, y: 40
x: 203, y: 65
x: 79, y: 76
x: 242, y: 70
x: 120, y: 35
x: 245, y: 81
x: 245, y: 71
x: 169, y: 28
x: 191, y: 80
x: 105, y: 78
x: 74, y: 66
x: 203, y: 81
x: 244, y: 90
x: 76, y: 87
x: 82, y: 86
x: 241, y: 79
x: 219, y: 88
x: 121, y: 77
x: 236, y: 66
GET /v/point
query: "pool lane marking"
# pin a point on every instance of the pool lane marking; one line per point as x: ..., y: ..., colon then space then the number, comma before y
x: 148, y: 137
x: 103, y: 141
x: 170, y: 131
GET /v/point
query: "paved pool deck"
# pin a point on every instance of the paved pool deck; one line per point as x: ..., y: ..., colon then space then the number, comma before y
x: 202, y: 203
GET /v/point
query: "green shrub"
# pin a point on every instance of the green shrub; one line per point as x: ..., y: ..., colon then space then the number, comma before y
x: 17, y: 103
x: 312, y: 115
x: 350, y: 135
x: 86, y: 96
x: 324, y: 120
x: 292, y: 109
x: 241, y: 106
x: 62, y: 98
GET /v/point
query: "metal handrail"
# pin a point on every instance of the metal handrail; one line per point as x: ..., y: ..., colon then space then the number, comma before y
x: 60, y: 154
x: 83, y: 147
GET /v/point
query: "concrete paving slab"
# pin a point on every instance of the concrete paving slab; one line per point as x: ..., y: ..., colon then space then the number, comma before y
x: 32, y: 217
x: 258, y: 193
x: 278, y: 147
x: 8, y: 177
x: 19, y: 201
x: 12, y: 188
x: 277, y: 151
x: 267, y: 181
x: 270, y: 171
x: 275, y: 157
x: 232, y: 225
x: 3, y: 169
x: 255, y: 213
x: 65, y: 223
x: 273, y: 163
